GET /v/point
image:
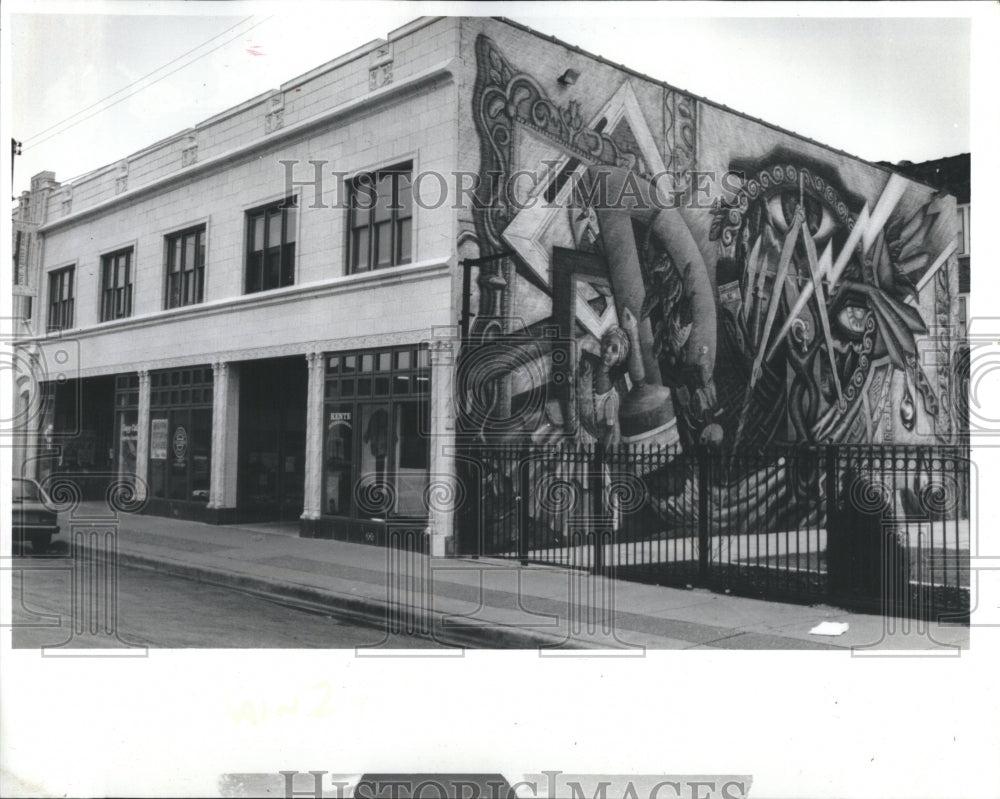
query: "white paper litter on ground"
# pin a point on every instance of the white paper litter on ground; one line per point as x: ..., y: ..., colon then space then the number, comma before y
x: 829, y: 628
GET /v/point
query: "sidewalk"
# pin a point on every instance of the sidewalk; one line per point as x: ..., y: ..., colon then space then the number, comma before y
x: 486, y: 603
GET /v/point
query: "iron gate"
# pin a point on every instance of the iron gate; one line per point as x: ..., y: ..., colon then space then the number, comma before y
x: 881, y: 529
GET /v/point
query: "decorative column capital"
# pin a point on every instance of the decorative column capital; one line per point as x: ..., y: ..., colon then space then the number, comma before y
x: 220, y: 369
x: 316, y: 366
x: 442, y: 351
x: 143, y: 376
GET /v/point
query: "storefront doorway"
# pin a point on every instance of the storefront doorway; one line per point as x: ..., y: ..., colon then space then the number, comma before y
x: 180, y: 438
x: 272, y: 442
x: 376, y: 449
x: 77, y: 437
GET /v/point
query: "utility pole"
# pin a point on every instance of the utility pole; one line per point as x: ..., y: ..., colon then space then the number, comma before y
x: 15, y: 149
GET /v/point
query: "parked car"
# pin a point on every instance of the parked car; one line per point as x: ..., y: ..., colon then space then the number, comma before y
x: 32, y: 517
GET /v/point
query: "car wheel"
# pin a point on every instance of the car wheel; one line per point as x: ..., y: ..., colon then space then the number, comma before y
x: 40, y: 543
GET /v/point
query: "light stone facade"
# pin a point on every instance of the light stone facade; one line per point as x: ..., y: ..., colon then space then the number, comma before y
x: 389, y: 102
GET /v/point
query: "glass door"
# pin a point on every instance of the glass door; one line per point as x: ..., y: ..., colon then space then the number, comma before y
x: 376, y: 494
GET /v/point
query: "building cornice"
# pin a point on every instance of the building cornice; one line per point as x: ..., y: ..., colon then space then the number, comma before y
x: 343, y: 284
x: 442, y: 71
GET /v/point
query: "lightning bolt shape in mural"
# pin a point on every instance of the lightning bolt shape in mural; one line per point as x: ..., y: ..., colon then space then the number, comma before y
x: 866, y: 230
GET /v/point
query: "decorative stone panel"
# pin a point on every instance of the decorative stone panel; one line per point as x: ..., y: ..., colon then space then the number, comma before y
x: 275, y: 117
x: 380, y: 66
x: 189, y: 155
x: 121, y: 177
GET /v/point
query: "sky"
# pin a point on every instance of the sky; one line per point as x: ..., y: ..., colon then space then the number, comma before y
x: 877, y: 87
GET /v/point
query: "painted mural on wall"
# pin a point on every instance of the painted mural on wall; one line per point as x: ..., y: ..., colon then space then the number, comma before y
x: 796, y: 322
x: 828, y: 297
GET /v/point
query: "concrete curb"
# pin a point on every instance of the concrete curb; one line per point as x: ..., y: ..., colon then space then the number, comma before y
x: 361, y: 610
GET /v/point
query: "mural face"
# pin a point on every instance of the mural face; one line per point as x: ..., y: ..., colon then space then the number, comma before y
x: 822, y: 307
x: 787, y: 314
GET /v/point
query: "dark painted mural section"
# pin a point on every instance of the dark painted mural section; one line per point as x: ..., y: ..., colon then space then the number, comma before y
x: 827, y: 296
x: 796, y: 321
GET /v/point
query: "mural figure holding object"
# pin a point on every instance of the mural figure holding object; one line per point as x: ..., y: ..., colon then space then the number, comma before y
x: 671, y: 308
x: 599, y: 400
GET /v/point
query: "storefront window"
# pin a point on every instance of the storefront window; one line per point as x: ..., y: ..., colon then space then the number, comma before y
x: 376, y: 450
x: 159, y: 435
x: 128, y: 439
x: 200, y: 449
x: 126, y: 424
x: 180, y: 434
x: 374, y: 492
x: 412, y: 458
x: 178, y: 454
x: 339, y: 448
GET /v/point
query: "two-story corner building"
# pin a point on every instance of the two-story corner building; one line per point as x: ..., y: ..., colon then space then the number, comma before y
x: 248, y: 345
x: 257, y: 317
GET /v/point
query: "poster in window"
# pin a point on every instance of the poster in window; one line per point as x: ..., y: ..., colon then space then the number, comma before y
x: 158, y: 429
x: 128, y: 442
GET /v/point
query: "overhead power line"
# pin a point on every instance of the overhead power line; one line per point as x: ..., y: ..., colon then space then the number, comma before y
x: 39, y: 138
x: 34, y: 136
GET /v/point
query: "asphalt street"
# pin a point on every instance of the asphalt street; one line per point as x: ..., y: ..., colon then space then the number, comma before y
x: 163, y: 611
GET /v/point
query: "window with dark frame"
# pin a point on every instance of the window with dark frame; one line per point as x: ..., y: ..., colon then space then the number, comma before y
x: 180, y: 402
x: 61, y: 298
x: 126, y: 425
x: 270, y: 249
x: 116, y: 285
x: 186, y: 267
x: 377, y: 406
x: 380, y: 219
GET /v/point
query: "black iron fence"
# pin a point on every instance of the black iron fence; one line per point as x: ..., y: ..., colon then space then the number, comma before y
x: 901, y: 525
x: 883, y: 529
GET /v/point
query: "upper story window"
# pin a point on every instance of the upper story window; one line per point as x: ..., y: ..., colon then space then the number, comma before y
x: 271, y: 246
x: 61, y: 299
x: 116, y: 285
x: 380, y: 219
x: 186, y: 267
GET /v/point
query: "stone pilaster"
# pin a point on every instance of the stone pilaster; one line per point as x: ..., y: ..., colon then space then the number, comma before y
x: 313, y: 489
x: 225, y: 433
x: 142, y: 438
x: 442, y: 490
